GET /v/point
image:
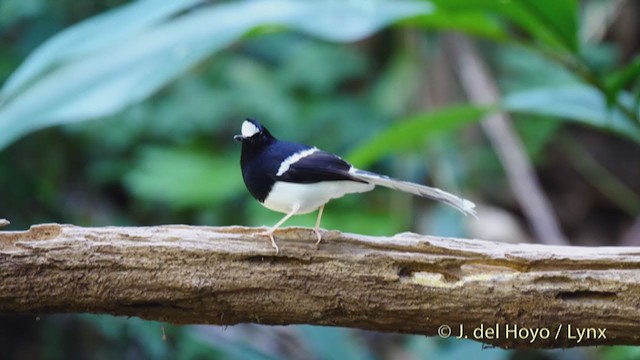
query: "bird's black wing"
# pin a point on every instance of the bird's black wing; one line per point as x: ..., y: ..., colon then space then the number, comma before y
x: 316, y: 167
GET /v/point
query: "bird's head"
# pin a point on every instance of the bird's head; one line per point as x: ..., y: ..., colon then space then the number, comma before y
x: 253, y: 134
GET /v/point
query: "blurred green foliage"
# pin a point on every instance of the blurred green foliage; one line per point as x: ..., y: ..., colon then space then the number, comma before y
x: 167, y: 84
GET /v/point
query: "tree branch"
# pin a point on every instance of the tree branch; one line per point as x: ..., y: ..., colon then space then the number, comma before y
x: 407, y: 283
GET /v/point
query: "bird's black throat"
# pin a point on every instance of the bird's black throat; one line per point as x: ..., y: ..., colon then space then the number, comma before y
x: 257, y: 164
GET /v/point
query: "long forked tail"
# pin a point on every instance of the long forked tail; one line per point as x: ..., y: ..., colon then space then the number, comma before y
x: 465, y: 206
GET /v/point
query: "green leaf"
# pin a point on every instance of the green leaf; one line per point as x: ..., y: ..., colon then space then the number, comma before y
x: 112, y: 78
x: 551, y: 22
x: 95, y: 33
x: 559, y: 16
x: 623, y: 77
x: 413, y: 131
x: 521, y: 68
x: 523, y: 16
x: 113, y: 75
x: 581, y: 103
x: 470, y: 22
x: 184, y: 178
x: 345, y: 21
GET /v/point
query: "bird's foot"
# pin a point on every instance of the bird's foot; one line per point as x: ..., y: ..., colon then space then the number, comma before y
x: 269, y: 233
x: 319, y: 236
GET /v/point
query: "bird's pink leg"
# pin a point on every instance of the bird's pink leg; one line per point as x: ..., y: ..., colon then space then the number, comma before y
x: 317, y: 229
x: 273, y: 229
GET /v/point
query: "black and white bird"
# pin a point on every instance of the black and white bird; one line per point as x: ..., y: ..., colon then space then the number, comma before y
x: 297, y: 179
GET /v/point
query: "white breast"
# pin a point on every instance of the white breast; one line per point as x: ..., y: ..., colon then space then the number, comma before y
x: 309, y: 197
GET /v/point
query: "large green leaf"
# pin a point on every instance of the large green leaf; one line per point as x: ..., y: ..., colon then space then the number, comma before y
x: 581, y: 103
x: 112, y: 75
x: 407, y: 133
x: 550, y: 22
x: 559, y: 16
x: 98, y: 32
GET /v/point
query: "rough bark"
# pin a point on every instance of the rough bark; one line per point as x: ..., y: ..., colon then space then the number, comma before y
x: 407, y: 283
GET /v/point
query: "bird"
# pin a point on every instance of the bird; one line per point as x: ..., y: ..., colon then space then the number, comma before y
x: 297, y: 179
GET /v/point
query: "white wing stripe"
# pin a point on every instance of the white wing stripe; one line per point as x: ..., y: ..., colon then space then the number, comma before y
x: 292, y: 159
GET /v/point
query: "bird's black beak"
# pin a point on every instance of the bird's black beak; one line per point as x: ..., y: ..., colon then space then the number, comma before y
x: 238, y: 138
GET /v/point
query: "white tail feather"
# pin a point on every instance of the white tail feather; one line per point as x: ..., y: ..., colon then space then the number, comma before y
x: 463, y: 205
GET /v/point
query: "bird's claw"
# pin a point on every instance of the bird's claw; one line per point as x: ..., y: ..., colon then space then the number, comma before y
x: 272, y: 238
x: 273, y: 243
x: 275, y: 246
x: 319, y: 236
